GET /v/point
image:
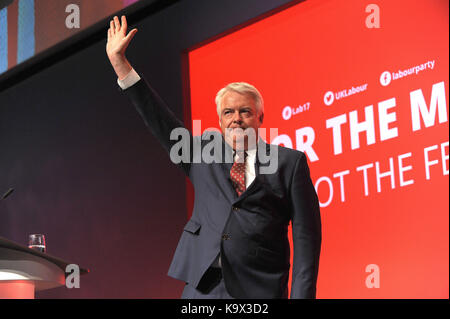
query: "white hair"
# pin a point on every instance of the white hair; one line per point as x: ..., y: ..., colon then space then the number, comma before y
x: 242, y: 88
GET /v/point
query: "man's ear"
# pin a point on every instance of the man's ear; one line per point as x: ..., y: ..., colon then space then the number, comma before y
x: 261, y: 118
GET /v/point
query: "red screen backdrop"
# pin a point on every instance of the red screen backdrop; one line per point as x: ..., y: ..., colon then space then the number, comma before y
x: 363, y: 91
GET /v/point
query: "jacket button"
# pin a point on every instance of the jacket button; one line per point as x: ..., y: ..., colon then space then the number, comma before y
x: 225, y: 237
x: 235, y: 208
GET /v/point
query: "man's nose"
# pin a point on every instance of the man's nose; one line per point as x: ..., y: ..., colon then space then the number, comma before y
x: 237, y: 116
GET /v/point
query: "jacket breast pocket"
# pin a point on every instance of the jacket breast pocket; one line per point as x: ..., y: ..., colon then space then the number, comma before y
x: 192, y: 227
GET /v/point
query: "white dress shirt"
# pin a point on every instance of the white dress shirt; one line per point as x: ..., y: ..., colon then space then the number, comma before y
x: 130, y: 79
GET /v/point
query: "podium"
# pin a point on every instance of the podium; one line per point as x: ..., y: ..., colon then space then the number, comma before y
x: 24, y: 270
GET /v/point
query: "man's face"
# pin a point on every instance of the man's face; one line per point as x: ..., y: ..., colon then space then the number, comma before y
x: 238, y: 113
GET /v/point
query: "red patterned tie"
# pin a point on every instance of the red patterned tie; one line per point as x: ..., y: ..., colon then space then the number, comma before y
x: 237, y: 173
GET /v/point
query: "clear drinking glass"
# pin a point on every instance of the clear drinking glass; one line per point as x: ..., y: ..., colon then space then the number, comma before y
x: 37, y: 241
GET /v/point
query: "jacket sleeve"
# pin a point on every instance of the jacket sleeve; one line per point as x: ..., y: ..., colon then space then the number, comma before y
x: 306, y: 232
x: 162, y: 123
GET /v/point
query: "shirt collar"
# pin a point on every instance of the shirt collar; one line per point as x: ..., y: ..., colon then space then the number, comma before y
x: 249, y: 154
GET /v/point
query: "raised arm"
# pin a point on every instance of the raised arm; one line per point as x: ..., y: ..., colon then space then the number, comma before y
x: 159, y: 119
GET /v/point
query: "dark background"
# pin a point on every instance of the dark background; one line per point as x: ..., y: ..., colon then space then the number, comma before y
x: 86, y: 171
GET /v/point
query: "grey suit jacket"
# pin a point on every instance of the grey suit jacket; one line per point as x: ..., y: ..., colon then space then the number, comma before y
x: 249, y: 231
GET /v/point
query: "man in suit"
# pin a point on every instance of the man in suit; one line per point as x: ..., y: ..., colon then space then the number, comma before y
x: 235, y: 245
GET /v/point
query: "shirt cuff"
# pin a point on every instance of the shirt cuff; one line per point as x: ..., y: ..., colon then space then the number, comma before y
x: 131, y: 79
